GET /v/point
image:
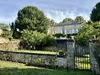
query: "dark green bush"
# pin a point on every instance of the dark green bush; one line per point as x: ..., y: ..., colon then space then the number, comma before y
x: 69, y: 35
x: 59, y: 35
x: 61, y: 52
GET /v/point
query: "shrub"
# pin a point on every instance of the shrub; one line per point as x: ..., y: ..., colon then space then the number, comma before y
x: 83, y: 41
x: 61, y: 52
x: 33, y: 39
x: 59, y: 35
x: 69, y: 35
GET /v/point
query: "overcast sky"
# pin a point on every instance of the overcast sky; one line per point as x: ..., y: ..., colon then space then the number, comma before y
x: 53, y: 9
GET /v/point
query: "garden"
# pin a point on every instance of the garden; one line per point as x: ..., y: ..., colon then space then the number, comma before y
x: 31, y: 30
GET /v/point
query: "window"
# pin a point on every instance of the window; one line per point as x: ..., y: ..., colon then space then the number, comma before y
x: 75, y: 30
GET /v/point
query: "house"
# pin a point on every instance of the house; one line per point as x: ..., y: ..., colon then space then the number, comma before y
x: 65, y: 28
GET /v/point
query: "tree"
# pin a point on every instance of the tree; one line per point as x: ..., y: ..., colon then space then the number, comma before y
x: 87, y: 31
x: 52, y: 22
x: 32, y: 18
x: 80, y: 19
x: 95, y: 15
x: 12, y: 30
x: 67, y: 20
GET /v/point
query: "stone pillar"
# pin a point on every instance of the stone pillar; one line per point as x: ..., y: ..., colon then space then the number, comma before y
x: 70, y: 52
x: 93, y: 62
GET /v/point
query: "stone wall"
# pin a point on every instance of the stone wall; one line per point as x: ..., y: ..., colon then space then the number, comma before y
x: 37, y: 59
x: 11, y: 45
x: 70, y: 52
x: 62, y: 44
x: 94, y: 64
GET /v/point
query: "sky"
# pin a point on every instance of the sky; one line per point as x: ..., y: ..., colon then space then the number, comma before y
x: 53, y: 9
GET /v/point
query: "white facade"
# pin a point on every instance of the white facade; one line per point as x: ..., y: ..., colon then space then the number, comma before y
x: 64, y: 29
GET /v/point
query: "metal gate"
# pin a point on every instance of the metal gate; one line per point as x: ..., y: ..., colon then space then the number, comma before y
x: 82, y: 57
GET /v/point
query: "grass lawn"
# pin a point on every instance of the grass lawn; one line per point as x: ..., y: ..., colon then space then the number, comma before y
x: 12, y: 68
x: 37, y: 51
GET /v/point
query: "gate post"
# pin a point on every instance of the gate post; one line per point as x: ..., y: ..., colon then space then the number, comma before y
x: 93, y: 62
x: 70, y: 52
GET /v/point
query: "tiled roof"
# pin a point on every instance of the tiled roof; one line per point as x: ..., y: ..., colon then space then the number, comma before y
x: 68, y: 23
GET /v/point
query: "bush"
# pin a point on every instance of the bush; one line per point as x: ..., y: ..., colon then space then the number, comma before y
x: 34, y: 39
x: 61, y: 52
x: 83, y: 41
x: 59, y: 35
x: 69, y: 35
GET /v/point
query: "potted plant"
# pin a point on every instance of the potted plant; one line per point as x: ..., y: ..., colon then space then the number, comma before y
x: 61, y: 52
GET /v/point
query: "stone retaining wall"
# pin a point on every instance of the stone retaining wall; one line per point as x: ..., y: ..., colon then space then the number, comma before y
x: 37, y: 59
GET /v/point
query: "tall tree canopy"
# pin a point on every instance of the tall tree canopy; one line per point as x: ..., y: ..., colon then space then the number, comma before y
x: 32, y: 18
x: 52, y: 22
x: 80, y: 19
x: 67, y: 20
x: 95, y: 15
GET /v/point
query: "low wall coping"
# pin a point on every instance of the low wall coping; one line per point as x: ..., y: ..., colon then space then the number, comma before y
x: 34, y: 53
x: 10, y: 42
x: 65, y: 40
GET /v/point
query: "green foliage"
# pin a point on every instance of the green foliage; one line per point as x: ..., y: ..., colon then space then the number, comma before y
x: 52, y: 22
x: 61, y: 52
x: 58, y: 35
x: 12, y: 29
x: 6, y: 34
x: 67, y: 20
x: 95, y: 15
x: 69, y: 35
x: 11, y: 32
x: 80, y: 19
x: 5, y: 29
x: 34, y: 38
x: 12, y: 68
x: 87, y: 31
x: 32, y: 18
x: 4, y: 26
